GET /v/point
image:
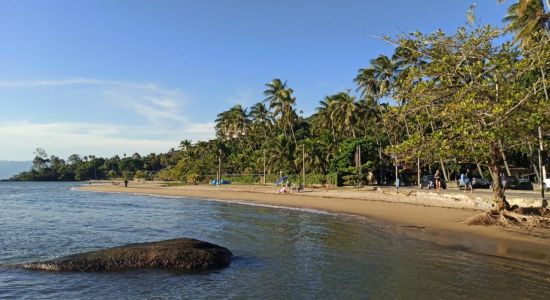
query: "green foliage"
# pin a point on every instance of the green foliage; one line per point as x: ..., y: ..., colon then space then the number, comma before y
x: 142, y: 175
x: 166, y: 175
x: 126, y: 175
x: 111, y: 174
x: 344, y: 161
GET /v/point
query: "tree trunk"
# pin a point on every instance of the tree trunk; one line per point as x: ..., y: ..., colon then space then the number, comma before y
x: 495, y: 167
x: 418, y: 172
x: 541, y: 144
x: 531, y: 153
x: 542, y: 169
x: 380, y: 165
x: 441, y: 164
x: 479, y: 169
x: 504, y: 158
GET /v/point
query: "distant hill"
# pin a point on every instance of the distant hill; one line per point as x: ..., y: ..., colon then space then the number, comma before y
x: 10, y: 168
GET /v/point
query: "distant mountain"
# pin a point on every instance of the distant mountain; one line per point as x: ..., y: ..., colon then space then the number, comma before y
x: 10, y: 168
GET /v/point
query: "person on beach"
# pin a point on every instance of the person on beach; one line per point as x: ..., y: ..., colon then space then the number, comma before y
x: 125, y: 182
x: 437, y: 177
x: 285, y: 188
x: 469, y: 181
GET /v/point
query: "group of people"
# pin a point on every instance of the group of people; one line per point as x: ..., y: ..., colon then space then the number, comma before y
x: 287, y: 188
x: 466, y: 179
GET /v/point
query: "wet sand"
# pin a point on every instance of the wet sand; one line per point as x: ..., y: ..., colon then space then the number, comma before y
x: 424, y: 218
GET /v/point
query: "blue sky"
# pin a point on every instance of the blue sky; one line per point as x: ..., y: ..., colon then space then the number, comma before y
x: 112, y: 77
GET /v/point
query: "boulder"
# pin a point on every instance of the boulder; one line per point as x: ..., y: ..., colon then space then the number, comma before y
x: 177, y: 254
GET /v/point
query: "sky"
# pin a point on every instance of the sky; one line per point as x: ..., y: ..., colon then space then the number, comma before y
x: 115, y: 77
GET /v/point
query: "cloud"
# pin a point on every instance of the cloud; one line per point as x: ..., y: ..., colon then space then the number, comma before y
x: 160, y: 112
x: 63, y: 139
x: 71, y: 81
x: 148, y: 99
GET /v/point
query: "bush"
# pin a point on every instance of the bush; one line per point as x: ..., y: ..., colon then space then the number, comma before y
x: 141, y: 175
x: 354, y: 179
x: 111, y: 174
x: 126, y: 175
x: 332, y: 179
x: 165, y: 175
x: 193, y: 177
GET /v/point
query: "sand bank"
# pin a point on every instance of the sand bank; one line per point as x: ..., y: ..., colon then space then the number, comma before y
x: 423, y: 216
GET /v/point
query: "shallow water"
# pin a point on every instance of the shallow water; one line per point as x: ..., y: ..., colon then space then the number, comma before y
x: 279, y: 253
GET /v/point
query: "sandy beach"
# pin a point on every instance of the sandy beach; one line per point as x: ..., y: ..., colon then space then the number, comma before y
x: 422, y: 215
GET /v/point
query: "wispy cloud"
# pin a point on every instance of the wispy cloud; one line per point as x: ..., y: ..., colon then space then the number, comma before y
x: 63, y: 139
x: 71, y: 81
x: 148, y: 99
x: 163, y: 110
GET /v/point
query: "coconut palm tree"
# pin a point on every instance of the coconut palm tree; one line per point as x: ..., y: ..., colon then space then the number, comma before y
x: 313, y: 158
x: 232, y: 123
x: 321, y: 119
x: 528, y: 20
x: 407, y: 57
x: 531, y: 24
x: 280, y: 99
x: 344, y: 114
x: 261, y: 119
x: 378, y: 80
x: 280, y: 155
x: 385, y: 74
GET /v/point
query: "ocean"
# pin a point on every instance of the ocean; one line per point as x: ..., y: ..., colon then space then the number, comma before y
x: 279, y: 253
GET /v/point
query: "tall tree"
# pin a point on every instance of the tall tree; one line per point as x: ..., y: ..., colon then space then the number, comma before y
x: 473, y: 115
x: 280, y: 99
x: 527, y: 19
x: 232, y: 123
x: 344, y: 113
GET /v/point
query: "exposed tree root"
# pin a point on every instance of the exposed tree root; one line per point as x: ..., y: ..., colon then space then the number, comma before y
x: 527, y: 218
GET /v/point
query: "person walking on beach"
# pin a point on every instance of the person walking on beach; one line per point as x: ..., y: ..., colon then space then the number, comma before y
x: 437, y: 177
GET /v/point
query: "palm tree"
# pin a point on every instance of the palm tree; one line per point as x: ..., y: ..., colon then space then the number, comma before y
x: 321, y: 120
x: 366, y: 83
x: 528, y: 19
x: 344, y: 114
x: 280, y: 99
x: 377, y: 81
x: 313, y: 158
x: 280, y: 155
x: 407, y: 57
x: 385, y: 74
x: 232, y: 123
x: 531, y: 23
x: 185, y: 145
x: 261, y: 118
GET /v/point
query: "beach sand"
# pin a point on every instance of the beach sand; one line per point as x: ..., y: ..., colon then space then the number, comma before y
x: 423, y: 216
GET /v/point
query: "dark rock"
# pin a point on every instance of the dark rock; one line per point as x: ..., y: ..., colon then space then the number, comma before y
x: 179, y: 254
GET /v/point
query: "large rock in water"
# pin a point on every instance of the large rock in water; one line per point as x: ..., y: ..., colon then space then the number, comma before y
x: 179, y: 254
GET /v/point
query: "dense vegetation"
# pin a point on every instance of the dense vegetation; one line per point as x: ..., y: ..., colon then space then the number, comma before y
x: 440, y: 101
x: 76, y: 168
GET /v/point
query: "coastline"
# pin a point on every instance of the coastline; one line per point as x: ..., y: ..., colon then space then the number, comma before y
x: 417, y: 218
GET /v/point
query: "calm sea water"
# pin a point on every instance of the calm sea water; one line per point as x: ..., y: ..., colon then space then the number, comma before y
x: 279, y: 253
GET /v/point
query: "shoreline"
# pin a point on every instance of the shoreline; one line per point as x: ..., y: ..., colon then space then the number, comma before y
x: 413, y: 218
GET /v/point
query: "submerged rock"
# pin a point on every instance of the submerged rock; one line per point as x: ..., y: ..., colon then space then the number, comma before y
x: 179, y: 254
